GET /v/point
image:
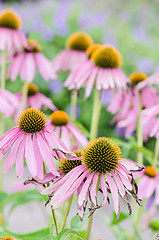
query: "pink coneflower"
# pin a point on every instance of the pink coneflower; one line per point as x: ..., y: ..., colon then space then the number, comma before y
x: 30, y: 139
x: 35, y: 99
x: 72, y: 137
x: 102, y: 70
x: 102, y: 167
x: 26, y: 64
x: 8, y: 103
x: 126, y: 105
x: 74, y: 53
x: 149, y: 184
x: 11, y: 38
x: 150, y: 121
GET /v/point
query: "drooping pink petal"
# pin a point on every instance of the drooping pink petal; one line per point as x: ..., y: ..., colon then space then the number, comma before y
x: 12, y: 156
x: 104, y: 189
x: 93, y: 191
x: 114, y: 193
x: 20, y: 158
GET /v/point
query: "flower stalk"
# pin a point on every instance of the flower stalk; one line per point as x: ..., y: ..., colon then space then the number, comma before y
x: 67, y: 212
x: 73, y: 105
x: 24, y: 97
x: 95, y: 114
x: 156, y: 157
x: 139, y: 132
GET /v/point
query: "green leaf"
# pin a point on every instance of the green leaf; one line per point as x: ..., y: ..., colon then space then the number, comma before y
x: 76, y: 223
x: 122, y: 217
x: 3, y: 197
x: 68, y: 232
x: 39, y: 235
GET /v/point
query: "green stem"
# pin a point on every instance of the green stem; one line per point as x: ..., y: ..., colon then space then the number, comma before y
x: 24, y: 97
x: 55, y: 222
x: 90, y: 221
x: 3, y: 69
x: 67, y: 212
x: 52, y: 210
x: 139, y: 132
x: 156, y: 157
x: 95, y: 114
x: 73, y: 105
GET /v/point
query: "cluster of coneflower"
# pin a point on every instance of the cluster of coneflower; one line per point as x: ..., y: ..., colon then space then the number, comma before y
x: 81, y: 166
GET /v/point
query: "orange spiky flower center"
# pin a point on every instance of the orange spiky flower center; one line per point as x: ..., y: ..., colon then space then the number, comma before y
x: 33, y: 46
x: 92, y: 49
x: 67, y: 165
x: 10, y: 19
x: 101, y: 155
x: 59, y: 118
x: 137, y: 77
x: 32, y: 89
x: 107, y: 57
x: 150, y: 171
x: 79, y: 41
x: 32, y: 120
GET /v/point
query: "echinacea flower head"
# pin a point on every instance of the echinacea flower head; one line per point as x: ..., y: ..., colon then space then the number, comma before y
x: 74, y: 53
x: 35, y: 99
x: 148, y: 184
x: 102, y: 70
x: 11, y: 38
x: 102, y: 166
x: 126, y: 104
x: 9, y: 103
x: 7, y: 238
x: 28, y: 62
x: 60, y: 123
x: 137, y: 77
x: 31, y: 139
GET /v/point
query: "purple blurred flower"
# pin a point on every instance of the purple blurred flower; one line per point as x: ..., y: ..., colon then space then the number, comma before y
x: 140, y: 34
x: 60, y: 18
x: 55, y: 86
x: 88, y: 20
x: 106, y: 96
x: 145, y: 65
x: 77, y: 113
x: 120, y: 132
x: 125, y: 16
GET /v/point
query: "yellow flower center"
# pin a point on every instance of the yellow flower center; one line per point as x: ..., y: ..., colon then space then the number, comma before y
x: 34, y: 45
x: 150, y: 171
x: 79, y: 41
x: 59, y: 118
x: 92, y: 49
x: 7, y: 238
x: 67, y: 165
x: 137, y: 77
x: 32, y: 120
x: 32, y: 89
x: 107, y: 57
x: 101, y: 155
x: 10, y: 19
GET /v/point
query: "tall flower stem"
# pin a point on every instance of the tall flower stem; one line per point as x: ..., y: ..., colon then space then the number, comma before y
x: 67, y: 212
x: 139, y: 132
x: 73, y: 104
x: 55, y: 221
x: 2, y: 127
x: 95, y: 114
x: 90, y: 221
x: 52, y: 210
x: 3, y: 69
x: 156, y: 157
x: 24, y: 97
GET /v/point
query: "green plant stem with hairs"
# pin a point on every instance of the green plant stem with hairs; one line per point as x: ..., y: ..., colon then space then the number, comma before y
x: 156, y: 156
x: 69, y: 203
x: 73, y: 105
x: 95, y: 114
x: 2, y: 125
x: 24, y: 97
x: 90, y: 221
x: 139, y: 132
x: 52, y: 210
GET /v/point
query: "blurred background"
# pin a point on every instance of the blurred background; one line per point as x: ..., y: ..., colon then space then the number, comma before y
x: 131, y: 26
